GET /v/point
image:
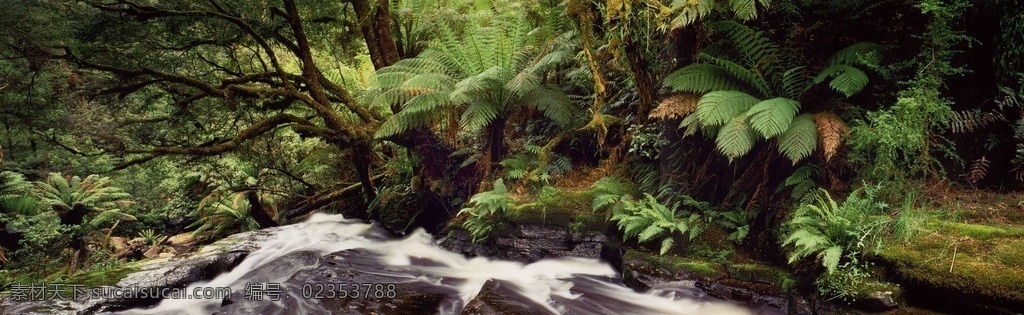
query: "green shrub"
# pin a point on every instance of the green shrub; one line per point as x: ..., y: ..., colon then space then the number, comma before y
x: 647, y: 219
x: 828, y: 231
x: 488, y: 210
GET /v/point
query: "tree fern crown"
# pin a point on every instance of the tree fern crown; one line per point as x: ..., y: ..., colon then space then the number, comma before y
x: 750, y: 91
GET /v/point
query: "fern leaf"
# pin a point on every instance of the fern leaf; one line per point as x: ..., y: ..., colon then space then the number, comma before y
x: 756, y: 49
x: 845, y: 79
x: 739, y: 73
x: 970, y: 121
x: 666, y: 245
x: 800, y: 140
x: 649, y: 233
x: 479, y: 114
x: 795, y: 82
x: 702, y: 78
x: 744, y: 9
x: 830, y: 258
x: 675, y: 106
x: 554, y: 105
x: 978, y: 170
x: 716, y: 108
x: 772, y: 117
x: 735, y: 138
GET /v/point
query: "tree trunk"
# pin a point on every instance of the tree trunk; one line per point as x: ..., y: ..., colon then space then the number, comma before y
x: 75, y: 261
x: 361, y: 156
x: 496, y: 142
x: 641, y: 68
x: 257, y: 212
x: 375, y: 25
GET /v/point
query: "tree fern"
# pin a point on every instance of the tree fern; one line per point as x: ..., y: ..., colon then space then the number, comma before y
x: 477, y: 75
x: 744, y: 75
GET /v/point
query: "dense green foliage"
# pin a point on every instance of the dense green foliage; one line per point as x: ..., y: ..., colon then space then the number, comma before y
x: 132, y: 121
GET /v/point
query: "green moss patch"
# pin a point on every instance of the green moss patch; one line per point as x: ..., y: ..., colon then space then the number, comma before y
x: 978, y: 231
x: 985, y: 261
x: 776, y: 277
x: 569, y: 209
x: 103, y: 276
x: 675, y: 264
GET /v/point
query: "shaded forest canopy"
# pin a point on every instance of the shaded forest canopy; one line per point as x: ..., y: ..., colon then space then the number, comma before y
x: 803, y: 130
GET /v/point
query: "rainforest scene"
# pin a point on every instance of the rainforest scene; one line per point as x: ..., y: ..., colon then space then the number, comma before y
x: 511, y: 157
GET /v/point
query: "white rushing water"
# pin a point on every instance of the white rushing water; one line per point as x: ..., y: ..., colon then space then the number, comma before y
x: 559, y: 286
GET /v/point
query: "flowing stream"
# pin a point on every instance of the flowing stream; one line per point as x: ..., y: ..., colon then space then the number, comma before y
x: 327, y: 254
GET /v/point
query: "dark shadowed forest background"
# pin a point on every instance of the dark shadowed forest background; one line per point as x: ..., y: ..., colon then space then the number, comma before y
x: 848, y: 144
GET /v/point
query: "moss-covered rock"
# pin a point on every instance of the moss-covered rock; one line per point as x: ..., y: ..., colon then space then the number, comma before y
x: 969, y: 259
x: 778, y: 278
x: 674, y: 265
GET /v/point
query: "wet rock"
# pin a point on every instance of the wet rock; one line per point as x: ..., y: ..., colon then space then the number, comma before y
x: 153, y: 251
x: 181, y: 239
x: 541, y: 231
x: 583, y: 250
x: 499, y: 297
x: 878, y: 301
x: 798, y: 305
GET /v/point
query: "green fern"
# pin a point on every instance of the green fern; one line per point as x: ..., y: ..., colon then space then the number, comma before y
x: 716, y: 108
x: 92, y: 197
x: 221, y: 214
x: 481, y: 74
x: 823, y: 229
x: 772, y: 117
x: 800, y: 140
x: 487, y: 211
x: 745, y: 89
x: 735, y: 138
x: 648, y: 220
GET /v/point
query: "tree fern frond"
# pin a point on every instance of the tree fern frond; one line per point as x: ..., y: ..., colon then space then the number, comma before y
x: 554, y: 105
x: 739, y: 73
x: 479, y: 114
x: 800, y: 140
x: 845, y: 79
x: 735, y: 138
x: 970, y: 121
x: 702, y: 78
x: 716, y: 108
x: 831, y: 132
x: 795, y: 82
x: 523, y: 83
x: 755, y: 48
x: 978, y: 170
x: 772, y: 117
x: 691, y: 11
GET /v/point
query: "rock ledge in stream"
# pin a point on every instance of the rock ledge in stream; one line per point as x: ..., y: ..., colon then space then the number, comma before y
x: 529, y: 243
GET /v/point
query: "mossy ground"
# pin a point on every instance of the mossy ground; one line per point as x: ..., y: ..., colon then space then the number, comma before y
x: 969, y: 258
x: 973, y: 244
